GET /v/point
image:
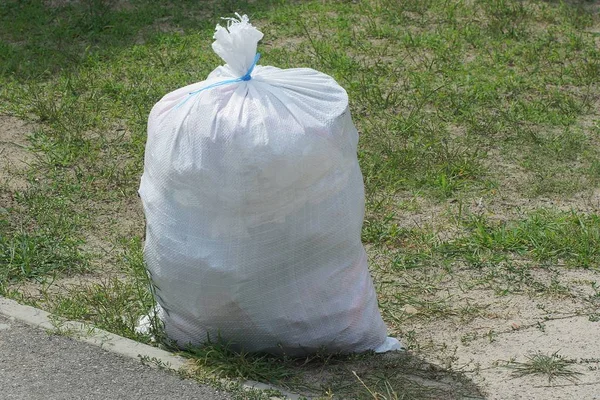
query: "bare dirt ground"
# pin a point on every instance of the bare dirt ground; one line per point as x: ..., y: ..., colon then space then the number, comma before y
x: 515, y: 327
x: 14, y: 155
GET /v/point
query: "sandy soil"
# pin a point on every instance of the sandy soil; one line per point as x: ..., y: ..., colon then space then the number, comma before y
x: 14, y: 155
x: 514, y: 327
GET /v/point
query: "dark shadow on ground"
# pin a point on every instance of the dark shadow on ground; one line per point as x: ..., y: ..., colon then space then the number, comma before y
x: 41, y: 38
x: 400, y: 375
x: 393, y: 375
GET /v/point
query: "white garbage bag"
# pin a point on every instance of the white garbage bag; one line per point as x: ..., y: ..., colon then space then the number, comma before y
x: 254, y: 204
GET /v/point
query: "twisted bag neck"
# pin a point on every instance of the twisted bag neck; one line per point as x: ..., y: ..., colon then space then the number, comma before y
x: 246, y: 77
x: 236, y: 45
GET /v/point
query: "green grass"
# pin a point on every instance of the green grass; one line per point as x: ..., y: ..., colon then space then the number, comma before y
x: 551, y: 366
x: 36, y: 241
x: 479, y: 148
x: 544, y: 236
x: 30, y: 256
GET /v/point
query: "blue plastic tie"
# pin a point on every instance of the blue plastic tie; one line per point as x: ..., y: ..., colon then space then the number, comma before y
x: 246, y: 77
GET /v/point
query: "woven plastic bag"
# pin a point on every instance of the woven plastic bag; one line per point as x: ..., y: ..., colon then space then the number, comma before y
x: 254, y: 204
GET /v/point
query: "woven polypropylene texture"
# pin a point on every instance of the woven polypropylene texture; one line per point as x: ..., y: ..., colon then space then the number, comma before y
x: 254, y: 203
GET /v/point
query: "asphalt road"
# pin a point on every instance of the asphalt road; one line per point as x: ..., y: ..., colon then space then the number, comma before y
x: 35, y: 365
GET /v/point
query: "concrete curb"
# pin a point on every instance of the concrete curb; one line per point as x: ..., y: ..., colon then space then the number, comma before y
x: 109, y: 341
